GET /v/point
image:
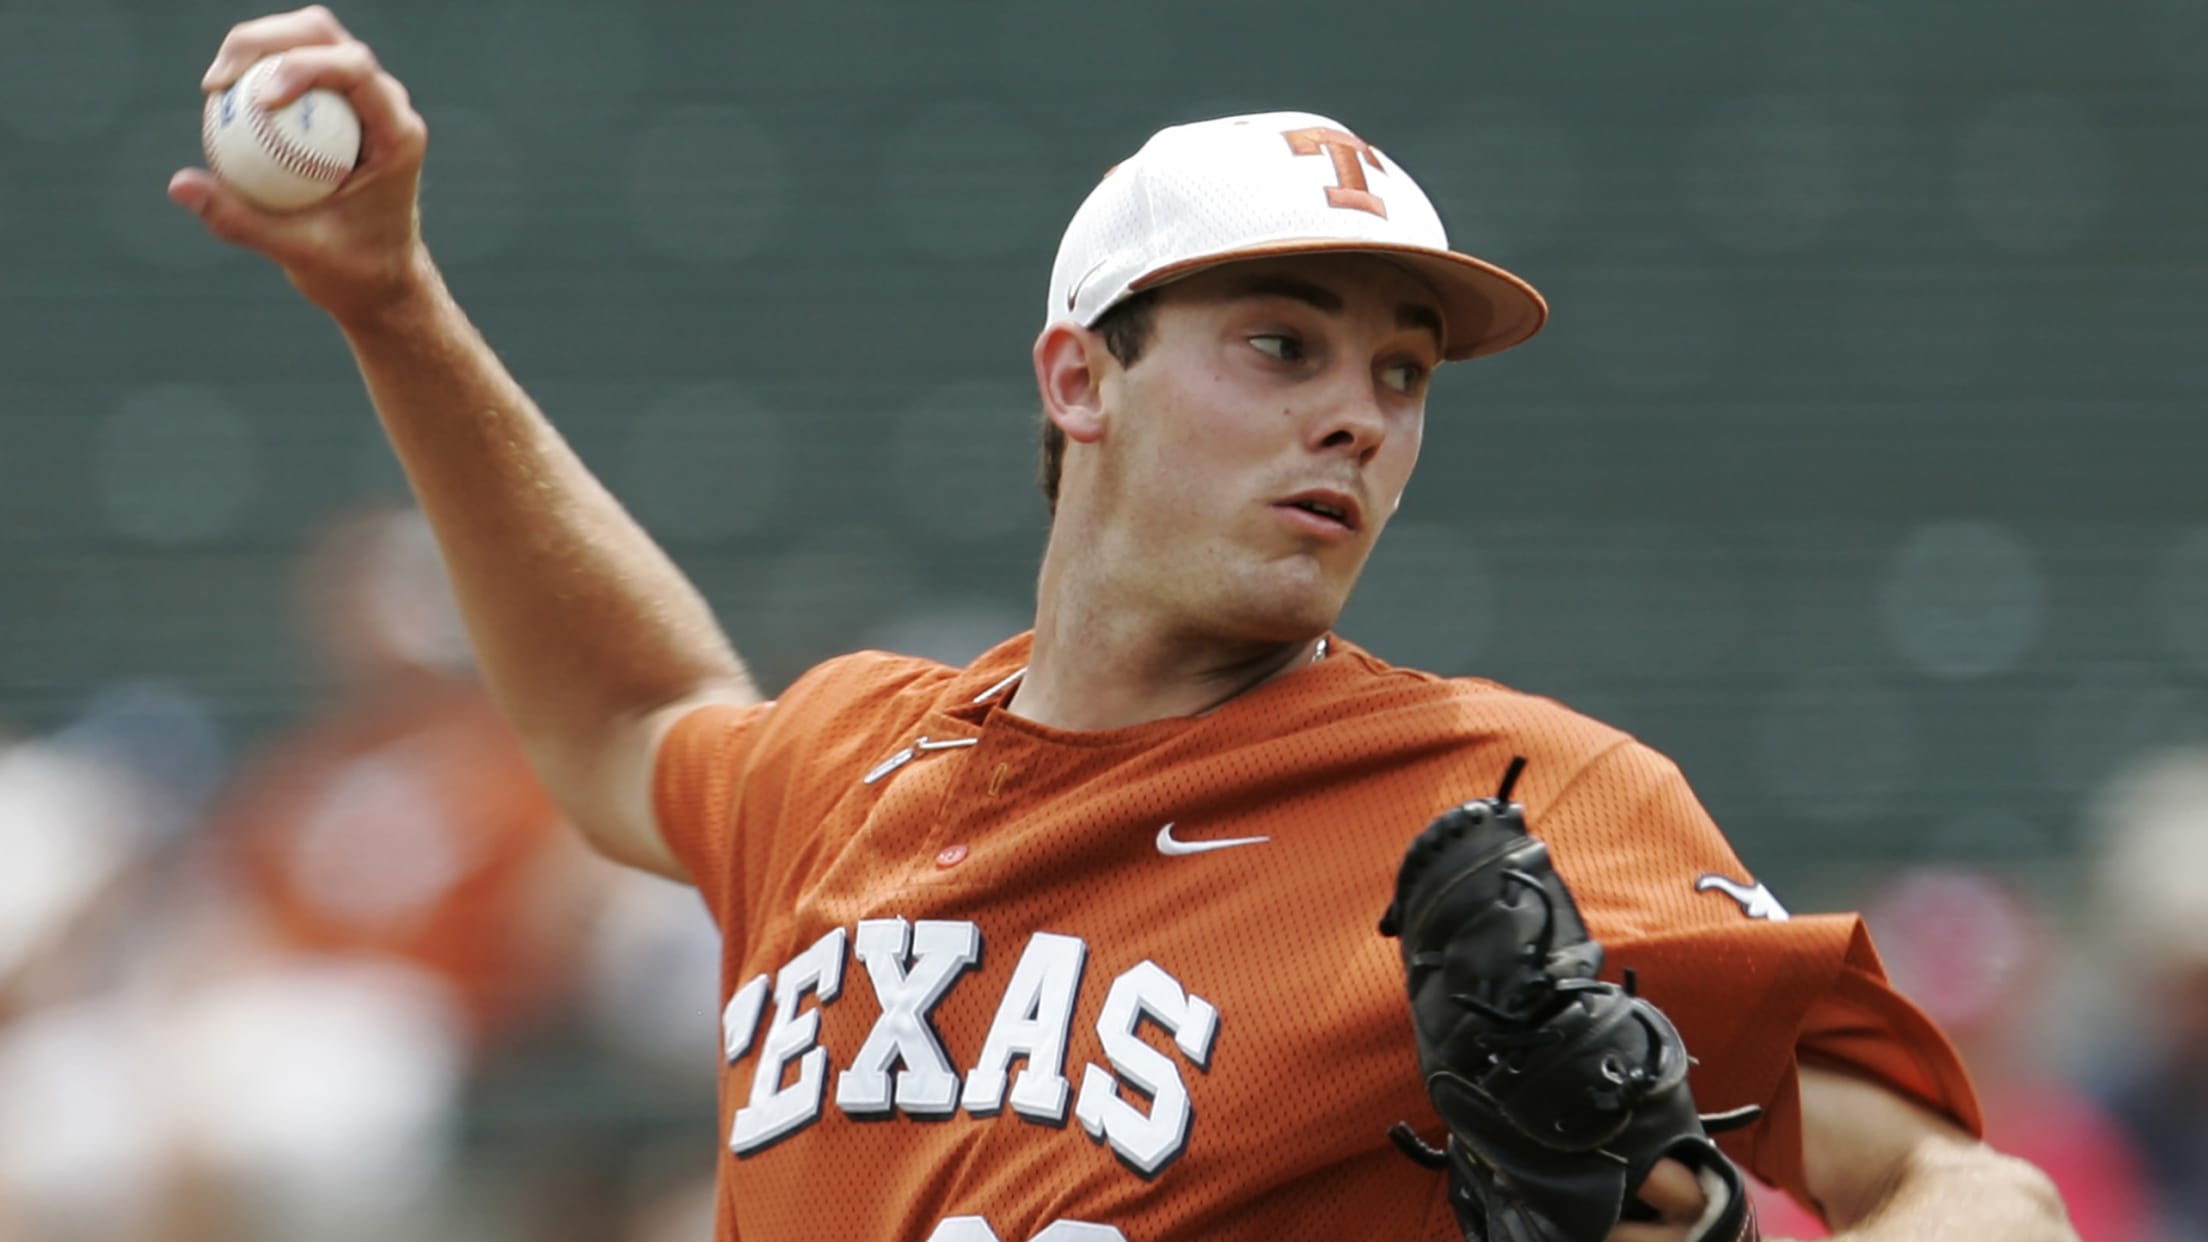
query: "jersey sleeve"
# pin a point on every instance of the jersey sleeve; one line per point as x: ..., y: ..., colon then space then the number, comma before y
x: 697, y: 787
x: 1859, y: 1025
x: 1751, y: 989
x: 739, y: 790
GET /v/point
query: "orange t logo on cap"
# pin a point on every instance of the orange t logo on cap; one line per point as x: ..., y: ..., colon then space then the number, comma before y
x: 1346, y: 149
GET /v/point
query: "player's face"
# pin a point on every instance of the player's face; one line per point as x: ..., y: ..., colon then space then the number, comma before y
x: 1261, y: 442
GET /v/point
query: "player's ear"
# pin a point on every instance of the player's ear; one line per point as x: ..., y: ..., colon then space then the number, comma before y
x: 1070, y: 365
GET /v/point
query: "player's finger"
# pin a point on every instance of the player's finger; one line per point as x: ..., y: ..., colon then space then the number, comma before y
x: 390, y: 129
x: 1672, y: 1189
x: 226, y: 213
x: 264, y: 36
x: 341, y: 67
x: 1646, y: 1231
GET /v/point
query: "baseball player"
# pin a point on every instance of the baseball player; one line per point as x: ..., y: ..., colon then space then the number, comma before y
x: 1078, y: 943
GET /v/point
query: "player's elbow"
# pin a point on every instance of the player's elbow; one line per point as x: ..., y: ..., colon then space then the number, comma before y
x: 603, y: 791
x: 2036, y: 1191
x: 1945, y: 1180
x: 602, y: 775
x: 2023, y: 1192
x: 1871, y: 1155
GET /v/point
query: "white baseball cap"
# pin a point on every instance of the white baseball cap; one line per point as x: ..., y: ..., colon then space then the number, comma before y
x: 1276, y: 183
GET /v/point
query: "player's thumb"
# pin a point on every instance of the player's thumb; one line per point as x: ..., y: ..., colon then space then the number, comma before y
x: 225, y: 213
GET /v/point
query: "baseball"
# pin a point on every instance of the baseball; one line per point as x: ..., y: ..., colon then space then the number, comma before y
x: 285, y: 158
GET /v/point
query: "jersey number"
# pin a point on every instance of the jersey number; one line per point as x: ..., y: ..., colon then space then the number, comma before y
x: 975, y: 1229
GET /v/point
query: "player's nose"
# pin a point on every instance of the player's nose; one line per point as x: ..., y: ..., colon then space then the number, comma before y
x: 1349, y: 419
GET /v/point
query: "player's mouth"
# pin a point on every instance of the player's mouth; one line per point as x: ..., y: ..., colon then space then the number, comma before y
x: 1323, y: 511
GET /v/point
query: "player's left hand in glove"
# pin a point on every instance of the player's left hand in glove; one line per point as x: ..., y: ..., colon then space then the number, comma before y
x: 1562, y: 1093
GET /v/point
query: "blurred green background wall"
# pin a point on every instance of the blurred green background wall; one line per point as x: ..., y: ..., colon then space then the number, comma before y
x: 1859, y: 468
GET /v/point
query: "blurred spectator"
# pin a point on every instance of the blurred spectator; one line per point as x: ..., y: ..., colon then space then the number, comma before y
x: 1979, y: 957
x: 402, y: 821
x: 399, y: 834
x: 69, y: 826
x: 71, y: 1163
x: 340, y: 1005
x: 2149, y: 912
x: 279, y: 1028
x: 264, y: 1032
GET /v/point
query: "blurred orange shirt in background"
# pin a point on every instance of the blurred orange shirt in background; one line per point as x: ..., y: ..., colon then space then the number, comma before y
x: 410, y: 826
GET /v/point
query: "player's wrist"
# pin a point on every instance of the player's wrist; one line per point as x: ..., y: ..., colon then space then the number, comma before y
x: 409, y: 295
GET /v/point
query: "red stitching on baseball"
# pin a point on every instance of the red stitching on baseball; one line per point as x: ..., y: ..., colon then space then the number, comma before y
x: 308, y: 164
x: 207, y: 117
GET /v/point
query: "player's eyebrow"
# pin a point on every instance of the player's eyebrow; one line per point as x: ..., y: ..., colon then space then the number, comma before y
x: 1412, y: 315
x: 1407, y: 315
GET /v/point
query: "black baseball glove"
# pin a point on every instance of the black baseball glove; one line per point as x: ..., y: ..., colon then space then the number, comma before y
x: 1560, y: 1091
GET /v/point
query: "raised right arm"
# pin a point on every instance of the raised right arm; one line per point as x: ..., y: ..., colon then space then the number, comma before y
x: 588, y: 636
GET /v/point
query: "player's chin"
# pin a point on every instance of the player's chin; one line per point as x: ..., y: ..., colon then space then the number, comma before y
x: 1291, y: 602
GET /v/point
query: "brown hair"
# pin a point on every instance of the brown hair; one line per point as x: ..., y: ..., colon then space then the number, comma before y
x: 1126, y: 332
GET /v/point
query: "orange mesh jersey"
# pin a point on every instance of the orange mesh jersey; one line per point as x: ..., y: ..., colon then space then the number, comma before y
x: 986, y: 979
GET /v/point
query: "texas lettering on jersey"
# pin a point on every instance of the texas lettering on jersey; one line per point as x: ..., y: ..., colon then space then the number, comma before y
x: 903, y: 1068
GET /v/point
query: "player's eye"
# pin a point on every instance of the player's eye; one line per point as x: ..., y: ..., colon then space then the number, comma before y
x: 1279, y: 345
x: 1404, y: 377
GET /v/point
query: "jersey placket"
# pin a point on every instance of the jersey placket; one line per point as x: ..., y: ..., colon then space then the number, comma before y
x: 945, y: 855
x: 905, y: 794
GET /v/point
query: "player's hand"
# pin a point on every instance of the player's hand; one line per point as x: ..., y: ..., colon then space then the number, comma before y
x: 1676, y: 1195
x: 360, y: 249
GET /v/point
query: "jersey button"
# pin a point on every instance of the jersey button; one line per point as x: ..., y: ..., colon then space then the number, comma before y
x: 950, y: 855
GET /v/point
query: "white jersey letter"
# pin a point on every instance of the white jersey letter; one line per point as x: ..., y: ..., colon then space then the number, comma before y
x: 740, y: 1020
x: 1146, y: 1144
x: 1032, y: 1021
x: 926, y: 1087
x: 776, y: 1110
x: 976, y: 1229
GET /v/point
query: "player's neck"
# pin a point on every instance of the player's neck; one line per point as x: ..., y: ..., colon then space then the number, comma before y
x: 1099, y: 667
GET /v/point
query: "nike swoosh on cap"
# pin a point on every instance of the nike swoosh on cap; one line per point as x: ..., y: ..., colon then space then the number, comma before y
x: 1171, y: 845
x: 1074, y: 294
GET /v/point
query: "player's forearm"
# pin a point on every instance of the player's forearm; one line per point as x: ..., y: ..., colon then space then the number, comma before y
x: 1952, y: 1189
x: 576, y: 616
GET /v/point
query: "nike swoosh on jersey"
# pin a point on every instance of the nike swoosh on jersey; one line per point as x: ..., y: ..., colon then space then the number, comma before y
x: 1173, y: 846
x: 1756, y: 903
